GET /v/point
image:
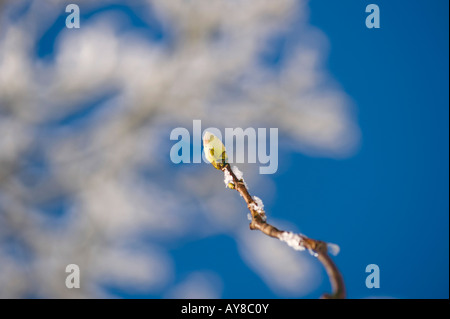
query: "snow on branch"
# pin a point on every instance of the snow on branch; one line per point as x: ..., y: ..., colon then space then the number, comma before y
x: 233, y: 179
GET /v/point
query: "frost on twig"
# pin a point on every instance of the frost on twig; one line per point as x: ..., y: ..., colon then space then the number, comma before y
x: 238, y: 173
x: 215, y: 152
x: 228, y: 179
x: 296, y: 241
x: 333, y: 249
x: 293, y: 240
x: 258, y: 206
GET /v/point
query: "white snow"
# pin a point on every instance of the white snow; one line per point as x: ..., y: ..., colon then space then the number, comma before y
x: 227, y: 178
x: 296, y: 242
x: 238, y: 173
x: 258, y: 206
x: 333, y: 249
x: 313, y: 253
x: 293, y: 240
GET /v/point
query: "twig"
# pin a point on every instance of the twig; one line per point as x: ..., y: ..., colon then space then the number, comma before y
x: 318, y: 247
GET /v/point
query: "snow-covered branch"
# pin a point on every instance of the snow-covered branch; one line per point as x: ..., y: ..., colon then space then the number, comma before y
x: 317, y: 248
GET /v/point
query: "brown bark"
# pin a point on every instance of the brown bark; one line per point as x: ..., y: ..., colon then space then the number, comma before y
x: 317, y: 246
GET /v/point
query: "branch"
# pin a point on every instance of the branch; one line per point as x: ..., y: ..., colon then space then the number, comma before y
x: 297, y: 241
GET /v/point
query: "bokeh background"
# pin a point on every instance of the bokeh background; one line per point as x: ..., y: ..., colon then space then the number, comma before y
x: 85, y: 173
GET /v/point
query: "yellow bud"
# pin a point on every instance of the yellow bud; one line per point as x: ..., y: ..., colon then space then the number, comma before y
x: 214, y: 150
x: 230, y: 185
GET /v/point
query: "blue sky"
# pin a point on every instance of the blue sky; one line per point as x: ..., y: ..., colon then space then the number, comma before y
x: 392, y: 196
x: 387, y: 204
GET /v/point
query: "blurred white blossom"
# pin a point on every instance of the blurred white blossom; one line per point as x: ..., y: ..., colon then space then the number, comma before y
x: 82, y: 129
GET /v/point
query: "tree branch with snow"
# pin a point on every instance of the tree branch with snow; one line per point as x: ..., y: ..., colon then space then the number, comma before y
x: 216, y: 154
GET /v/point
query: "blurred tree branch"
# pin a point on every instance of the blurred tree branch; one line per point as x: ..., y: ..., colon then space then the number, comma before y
x: 78, y: 127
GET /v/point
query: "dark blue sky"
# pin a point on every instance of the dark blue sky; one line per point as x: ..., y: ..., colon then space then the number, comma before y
x: 388, y: 204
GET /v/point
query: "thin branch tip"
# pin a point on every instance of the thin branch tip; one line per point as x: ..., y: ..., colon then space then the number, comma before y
x: 297, y: 241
